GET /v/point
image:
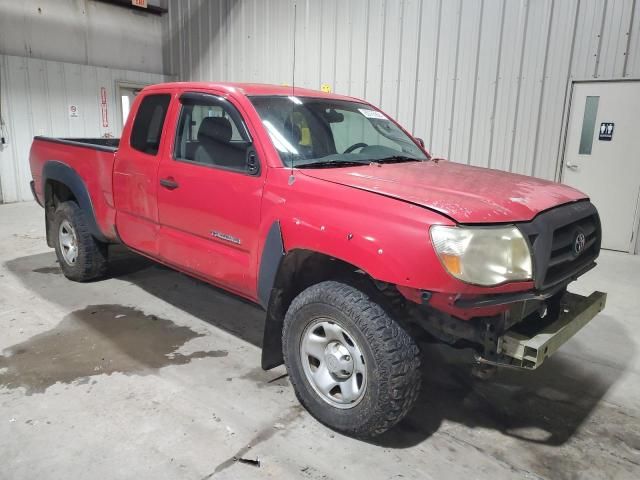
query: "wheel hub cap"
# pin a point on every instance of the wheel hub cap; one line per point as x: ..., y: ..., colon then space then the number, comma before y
x: 338, y: 359
x: 68, y: 242
x: 333, y: 363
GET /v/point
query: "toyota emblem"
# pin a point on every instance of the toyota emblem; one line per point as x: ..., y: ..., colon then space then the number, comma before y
x: 579, y: 243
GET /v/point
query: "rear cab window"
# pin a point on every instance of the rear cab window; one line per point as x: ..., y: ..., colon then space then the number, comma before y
x: 147, y: 126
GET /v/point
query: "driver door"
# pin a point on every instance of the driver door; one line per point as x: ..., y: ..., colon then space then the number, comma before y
x: 210, y: 191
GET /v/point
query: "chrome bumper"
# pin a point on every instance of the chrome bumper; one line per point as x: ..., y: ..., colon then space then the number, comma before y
x: 530, y: 351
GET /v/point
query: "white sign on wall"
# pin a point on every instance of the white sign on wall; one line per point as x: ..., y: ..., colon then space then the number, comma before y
x: 74, y: 112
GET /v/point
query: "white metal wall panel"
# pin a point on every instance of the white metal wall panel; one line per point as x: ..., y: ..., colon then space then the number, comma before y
x: 407, y: 56
x: 359, y: 41
x: 374, y: 53
x: 484, y: 82
x: 328, y: 33
x: 36, y: 95
x: 550, y: 116
x: 486, y: 86
x: 465, y: 82
x: 391, y: 45
x: 445, y: 77
x: 341, y: 60
x: 509, y: 78
x: 85, y: 32
x: 614, y: 38
x: 531, y: 78
x: 427, y: 44
x: 632, y: 66
x: 15, y: 75
x: 235, y: 41
x: 588, y: 40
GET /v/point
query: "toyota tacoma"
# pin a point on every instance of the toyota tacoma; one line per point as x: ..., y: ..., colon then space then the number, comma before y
x: 339, y: 223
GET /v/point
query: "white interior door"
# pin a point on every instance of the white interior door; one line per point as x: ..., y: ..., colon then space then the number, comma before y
x: 127, y: 93
x: 602, y: 156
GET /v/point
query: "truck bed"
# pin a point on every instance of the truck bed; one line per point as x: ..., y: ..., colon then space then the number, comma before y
x: 91, y: 162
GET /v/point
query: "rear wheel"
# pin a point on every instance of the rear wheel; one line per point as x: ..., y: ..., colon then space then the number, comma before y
x: 81, y: 256
x: 352, y: 366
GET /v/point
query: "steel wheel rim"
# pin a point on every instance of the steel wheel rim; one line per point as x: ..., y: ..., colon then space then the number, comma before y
x: 68, y: 242
x: 333, y: 363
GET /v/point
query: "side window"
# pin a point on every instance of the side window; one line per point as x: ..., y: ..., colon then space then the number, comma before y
x: 210, y: 133
x: 147, y: 127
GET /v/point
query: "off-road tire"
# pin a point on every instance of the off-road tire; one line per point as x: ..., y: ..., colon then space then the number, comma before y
x: 392, y: 359
x: 91, y: 262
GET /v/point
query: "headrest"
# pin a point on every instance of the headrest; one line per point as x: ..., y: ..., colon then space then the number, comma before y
x: 294, y: 131
x: 215, y: 128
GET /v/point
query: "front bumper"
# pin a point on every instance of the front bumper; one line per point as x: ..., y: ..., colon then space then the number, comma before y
x: 528, y: 348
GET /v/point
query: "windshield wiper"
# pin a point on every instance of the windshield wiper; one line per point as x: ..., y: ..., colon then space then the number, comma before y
x: 355, y: 163
x: 397, y: 159
x: 333, y: 163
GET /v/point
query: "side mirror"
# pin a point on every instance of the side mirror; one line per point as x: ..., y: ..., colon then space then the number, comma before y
x: 253, y: 164
x: 420, y: 142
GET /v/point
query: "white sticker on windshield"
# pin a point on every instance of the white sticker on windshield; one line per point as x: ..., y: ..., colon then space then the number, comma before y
x: 372, y: 114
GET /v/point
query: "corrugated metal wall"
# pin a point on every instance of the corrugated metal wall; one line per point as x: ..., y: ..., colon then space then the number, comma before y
x: 82, y: 31
x: 36, y: 95
x: 483, y: 81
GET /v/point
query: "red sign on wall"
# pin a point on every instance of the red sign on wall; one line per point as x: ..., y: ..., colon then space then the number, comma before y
x: 103, y: 107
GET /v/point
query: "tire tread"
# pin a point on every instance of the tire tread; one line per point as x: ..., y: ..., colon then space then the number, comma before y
x: 397, y: 355
x: 92, y: 254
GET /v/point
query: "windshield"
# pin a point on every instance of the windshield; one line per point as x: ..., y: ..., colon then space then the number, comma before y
x: 317, y: 132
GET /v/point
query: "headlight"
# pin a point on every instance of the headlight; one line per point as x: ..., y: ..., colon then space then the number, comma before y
x: 483, y: 255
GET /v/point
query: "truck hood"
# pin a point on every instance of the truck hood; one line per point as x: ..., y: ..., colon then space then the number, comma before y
x: 461, y: 192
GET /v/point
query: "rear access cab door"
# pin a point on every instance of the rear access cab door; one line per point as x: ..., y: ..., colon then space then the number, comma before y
x: 135, y: 173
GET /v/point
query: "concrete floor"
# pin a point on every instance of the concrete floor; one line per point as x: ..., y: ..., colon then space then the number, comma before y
x: 150, y: 374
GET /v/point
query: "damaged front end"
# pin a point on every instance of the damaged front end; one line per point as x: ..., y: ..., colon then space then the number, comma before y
x: 523, y: 336
x: 522, y: 328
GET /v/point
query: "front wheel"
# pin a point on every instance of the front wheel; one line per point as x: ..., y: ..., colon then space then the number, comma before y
x: 352, y: 366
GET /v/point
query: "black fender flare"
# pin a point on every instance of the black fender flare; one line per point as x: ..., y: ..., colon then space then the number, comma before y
x: 58, y: 171
x: 272, y: 256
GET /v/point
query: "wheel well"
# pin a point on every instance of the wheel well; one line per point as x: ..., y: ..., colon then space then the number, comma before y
x: 299, y: 270
x: 55, y: 193
x: 302, y: 268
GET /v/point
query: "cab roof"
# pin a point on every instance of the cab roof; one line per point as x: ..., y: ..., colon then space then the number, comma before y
x: 252, y: 89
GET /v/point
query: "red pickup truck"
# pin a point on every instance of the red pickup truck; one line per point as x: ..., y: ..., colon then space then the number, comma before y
x: 327, y: 213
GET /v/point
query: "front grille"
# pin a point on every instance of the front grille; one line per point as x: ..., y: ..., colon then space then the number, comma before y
x: 552, y: 236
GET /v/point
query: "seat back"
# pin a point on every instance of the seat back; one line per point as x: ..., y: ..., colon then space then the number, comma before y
x: 216, y: 147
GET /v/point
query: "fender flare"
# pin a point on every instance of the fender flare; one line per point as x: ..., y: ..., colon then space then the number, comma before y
x: 58, y: 171
x: 278, y: 282
x: 272, y: 255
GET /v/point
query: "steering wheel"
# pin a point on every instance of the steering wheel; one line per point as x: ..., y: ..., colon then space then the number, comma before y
x: 355, y: 146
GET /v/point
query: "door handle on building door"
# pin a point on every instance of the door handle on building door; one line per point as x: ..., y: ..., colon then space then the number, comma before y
x: 572, y: 166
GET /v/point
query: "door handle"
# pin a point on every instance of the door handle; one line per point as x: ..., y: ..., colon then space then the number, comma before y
x: 169, y: 183
x: 572, y: 166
